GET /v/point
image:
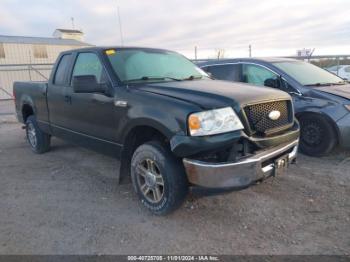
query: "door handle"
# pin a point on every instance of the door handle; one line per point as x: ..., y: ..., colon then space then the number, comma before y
x: 68, y: 99
x: 101, y: 99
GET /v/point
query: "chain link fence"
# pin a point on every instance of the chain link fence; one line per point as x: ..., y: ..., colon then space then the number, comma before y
x: 21, y: 61
x: 40, y: 68
x: 337, y: 64
x: 21, y: 72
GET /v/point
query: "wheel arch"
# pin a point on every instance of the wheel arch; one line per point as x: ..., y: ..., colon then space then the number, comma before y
x: 27, y: 110
x: 299, y: 115
x: 133, y: 138
x: 27, y: 107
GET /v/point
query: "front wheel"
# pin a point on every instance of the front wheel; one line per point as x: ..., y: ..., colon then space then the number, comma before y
x: 158, y: 178
x: 317, y: 136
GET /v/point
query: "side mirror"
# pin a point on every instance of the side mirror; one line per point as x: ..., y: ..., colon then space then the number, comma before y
x: 88, y: 84
x: 271, y: 82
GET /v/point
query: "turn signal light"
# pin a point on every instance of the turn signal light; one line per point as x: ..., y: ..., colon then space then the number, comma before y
x: 194, y: 123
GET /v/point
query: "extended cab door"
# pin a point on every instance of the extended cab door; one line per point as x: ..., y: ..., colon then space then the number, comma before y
x: 56, y: 93
x: 91, y: 115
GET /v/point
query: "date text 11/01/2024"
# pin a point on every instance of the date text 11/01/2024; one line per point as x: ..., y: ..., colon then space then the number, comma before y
x: 173, y: 258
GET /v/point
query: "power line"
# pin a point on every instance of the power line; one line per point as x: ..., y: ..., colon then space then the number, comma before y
x: 72, y: 19
x: 120, y: 27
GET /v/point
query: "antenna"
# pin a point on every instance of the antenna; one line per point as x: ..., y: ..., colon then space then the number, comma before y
x: 120, y: 27
x: 72, y: 19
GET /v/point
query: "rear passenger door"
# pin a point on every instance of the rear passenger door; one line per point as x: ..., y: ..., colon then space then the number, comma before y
x: 227, y: 72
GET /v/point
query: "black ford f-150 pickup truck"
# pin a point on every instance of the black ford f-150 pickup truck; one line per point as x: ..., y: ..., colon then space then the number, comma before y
x: 172, y: 127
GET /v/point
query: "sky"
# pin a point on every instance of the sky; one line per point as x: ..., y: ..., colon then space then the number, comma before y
x: 271, y: 27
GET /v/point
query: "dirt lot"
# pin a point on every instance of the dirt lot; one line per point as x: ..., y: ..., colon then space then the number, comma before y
x: 67, y: 201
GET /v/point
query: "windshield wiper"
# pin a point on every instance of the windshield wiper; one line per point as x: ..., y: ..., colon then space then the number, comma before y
x: 147, y: 78
x: 327, y: 84
x: 192, y: 77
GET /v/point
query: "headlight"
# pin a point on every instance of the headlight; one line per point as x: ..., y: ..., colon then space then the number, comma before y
x: 347, y: 107
x: 214, y: 121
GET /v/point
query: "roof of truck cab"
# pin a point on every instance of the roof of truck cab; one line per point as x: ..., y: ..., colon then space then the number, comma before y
x: 103, y: 48
x: 235, y: 60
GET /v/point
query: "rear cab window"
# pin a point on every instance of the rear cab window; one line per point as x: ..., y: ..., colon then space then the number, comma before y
x: 60, y: 77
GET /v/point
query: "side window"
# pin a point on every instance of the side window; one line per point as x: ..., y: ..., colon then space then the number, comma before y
x: 60, y: 75
x: 225, y: 72
x: 89, y: 64
x: 258, y: 75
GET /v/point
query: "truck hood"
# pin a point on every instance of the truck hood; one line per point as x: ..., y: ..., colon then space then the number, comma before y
x: 338, y: 90
x: 210, y: 94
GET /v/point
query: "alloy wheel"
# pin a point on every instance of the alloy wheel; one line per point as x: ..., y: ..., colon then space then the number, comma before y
x: 150, y: 180
x: 31, y: 132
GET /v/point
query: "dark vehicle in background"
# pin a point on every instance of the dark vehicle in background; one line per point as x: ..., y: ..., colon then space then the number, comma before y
x: 172, y: 126
x: 342, y: 71
x: 321, y: 99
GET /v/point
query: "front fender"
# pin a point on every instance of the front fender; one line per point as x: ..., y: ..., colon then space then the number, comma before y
x: 165, y: 114
x: 166, y: 130
x: 330, y: 109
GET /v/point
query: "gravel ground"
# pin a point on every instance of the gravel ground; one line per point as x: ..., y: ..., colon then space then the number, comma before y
x: 67, y: 201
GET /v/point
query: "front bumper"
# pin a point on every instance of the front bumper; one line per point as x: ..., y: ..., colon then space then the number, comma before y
x: 241, y: 174
x: 344, y: 131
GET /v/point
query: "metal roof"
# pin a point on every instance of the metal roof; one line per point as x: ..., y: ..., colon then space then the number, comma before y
x: 40, y: 40
x: 73, y: 31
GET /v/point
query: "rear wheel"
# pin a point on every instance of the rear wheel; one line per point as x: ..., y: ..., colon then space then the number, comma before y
x: 38, y: 140
x: 158, y: 178
x: 317, y: 135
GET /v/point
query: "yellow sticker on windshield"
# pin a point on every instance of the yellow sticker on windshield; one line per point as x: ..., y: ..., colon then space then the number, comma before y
x: 110, y: 52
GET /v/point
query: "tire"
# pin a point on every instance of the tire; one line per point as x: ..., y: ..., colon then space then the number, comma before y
x: 158, y: 178
x: 38, y: 140
x: 317, y: 135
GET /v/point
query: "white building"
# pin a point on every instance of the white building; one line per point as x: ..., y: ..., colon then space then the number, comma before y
x: 304, y: 52
x: 69, y: 34
x: 30, y: 58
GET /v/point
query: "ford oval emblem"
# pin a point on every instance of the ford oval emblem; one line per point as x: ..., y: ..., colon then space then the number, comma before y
x: 274, y: 115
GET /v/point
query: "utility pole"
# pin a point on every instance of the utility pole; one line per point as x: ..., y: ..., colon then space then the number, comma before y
x: 72, y: 19
x: 195, y: 52
x: 311, y: 53
x: 120, y: 27
x: 250, y: 50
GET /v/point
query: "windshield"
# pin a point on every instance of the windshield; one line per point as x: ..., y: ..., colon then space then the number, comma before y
x: 152, y: 65
x: 308, y: 74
